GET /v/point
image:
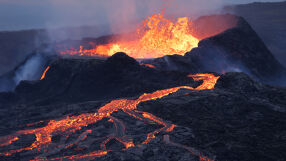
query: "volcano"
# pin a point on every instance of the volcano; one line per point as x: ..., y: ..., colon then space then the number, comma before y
x: 209, y: 93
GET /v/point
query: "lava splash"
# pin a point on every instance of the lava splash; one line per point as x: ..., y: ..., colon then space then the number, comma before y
x: 157, y: 37
x: 44, y: 146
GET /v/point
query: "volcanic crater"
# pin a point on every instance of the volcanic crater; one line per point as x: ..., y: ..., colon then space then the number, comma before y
x: 217, y: 98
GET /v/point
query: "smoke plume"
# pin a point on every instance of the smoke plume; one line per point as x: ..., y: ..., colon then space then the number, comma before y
x: 31, y: 69
x: 114, y: 16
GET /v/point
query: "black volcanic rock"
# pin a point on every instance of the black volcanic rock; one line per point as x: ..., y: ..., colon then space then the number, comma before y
x: 93, y: 79
x: 240, y: 119
x: 122, y: 60
x: 239, y: 82
x: 269, y: 20
x: 173, y: 63
x: 236, y: 121
x: 238, y: 49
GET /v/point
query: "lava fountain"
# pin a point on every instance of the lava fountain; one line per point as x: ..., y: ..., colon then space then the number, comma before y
x: 157, y: 36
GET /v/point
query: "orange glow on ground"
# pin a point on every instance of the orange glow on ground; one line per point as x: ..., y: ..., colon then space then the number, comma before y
x: 69, y: 125
x: 158, y: 36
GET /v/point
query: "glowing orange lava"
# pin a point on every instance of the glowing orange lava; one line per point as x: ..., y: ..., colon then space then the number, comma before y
x: 148, y: 65
x: 209, y: 80
x: 8, y: 140
x: 65, y: 127
x: 44, y: 73
x: 158, y: 37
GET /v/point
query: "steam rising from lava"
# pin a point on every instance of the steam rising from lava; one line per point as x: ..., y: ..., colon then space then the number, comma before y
x: 29, y: 70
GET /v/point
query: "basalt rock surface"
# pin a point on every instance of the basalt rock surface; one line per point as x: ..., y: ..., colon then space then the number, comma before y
x: 240, y: 119
x: 77, y: 80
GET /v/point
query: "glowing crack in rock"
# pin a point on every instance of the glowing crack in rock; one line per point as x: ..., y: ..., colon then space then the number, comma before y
x: 44, y: 146
x: 156, y: 37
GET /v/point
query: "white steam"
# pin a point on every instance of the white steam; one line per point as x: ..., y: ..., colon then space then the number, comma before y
x: 30, y: 70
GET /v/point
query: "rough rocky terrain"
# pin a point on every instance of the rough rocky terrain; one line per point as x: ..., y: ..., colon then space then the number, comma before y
x: 70, y: 110
x: 240, y: 119
x: 76, y: 80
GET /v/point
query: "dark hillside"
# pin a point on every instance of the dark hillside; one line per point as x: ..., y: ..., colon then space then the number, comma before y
x: 269, y: 21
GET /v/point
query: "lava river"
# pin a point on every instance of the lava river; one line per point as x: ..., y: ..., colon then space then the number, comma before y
x: 44, y: 146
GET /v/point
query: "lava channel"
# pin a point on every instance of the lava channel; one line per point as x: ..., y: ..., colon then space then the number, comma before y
x: 44, y: 146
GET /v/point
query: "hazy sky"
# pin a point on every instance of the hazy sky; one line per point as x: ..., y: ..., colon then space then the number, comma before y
x: 25, y: 14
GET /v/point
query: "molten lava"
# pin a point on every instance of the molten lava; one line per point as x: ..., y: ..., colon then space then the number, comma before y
x: 44, y: 145
x: 209, y: 80
x: 44, y: 73
x: 158, y: 37
x: 148, y: 65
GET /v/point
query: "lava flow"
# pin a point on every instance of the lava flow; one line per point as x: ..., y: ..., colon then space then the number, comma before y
x: 148, y: 65
x: 44, y: 147
x: 44, y: 73
x: 157, y: 37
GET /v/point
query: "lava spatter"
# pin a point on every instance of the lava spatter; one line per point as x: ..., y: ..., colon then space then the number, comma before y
x: 157, y: 37
x: 44, y: 146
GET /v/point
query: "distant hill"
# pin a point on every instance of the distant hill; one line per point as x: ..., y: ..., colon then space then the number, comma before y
x: 269, y: 21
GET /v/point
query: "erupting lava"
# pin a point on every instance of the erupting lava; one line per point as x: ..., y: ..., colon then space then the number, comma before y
x: 45, y: 147
x: 44, y: 73
x: 158, y: 36
x: 148, y: 65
